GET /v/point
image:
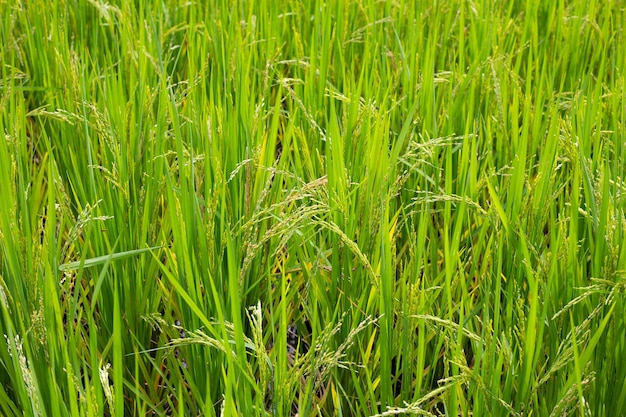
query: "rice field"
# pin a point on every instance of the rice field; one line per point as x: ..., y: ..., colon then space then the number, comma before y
x: 312, y: 208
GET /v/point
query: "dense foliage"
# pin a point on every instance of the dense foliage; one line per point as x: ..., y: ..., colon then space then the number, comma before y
x: 315, y: 207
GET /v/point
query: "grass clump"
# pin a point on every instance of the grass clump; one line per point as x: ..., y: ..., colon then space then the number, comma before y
x: 325, y: 208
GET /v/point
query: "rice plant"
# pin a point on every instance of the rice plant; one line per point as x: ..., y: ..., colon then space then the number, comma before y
x: 312, y: 208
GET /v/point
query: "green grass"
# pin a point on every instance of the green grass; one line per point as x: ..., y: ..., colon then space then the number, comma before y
x: 433, y: 193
